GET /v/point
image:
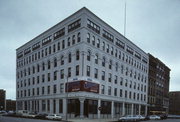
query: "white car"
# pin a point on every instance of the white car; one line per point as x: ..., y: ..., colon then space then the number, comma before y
x: 155, y: 117
x: 140, y: 117
x: 54, y: 116
x: 31, y: 115
x: 129, y: 118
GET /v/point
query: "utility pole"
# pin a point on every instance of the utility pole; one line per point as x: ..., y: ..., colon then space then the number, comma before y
x: 125, y: 19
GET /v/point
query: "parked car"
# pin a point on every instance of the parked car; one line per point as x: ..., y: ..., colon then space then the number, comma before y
x: 163, y: 116
x: 22, y: 112
x: 11, y: 113
x: 141, y: 117
x: 41, y: 116
x: 31, y: 115
x: 155, y: 117
x: 132, y: 118
x: 54, y: 116
x: 3, y: 113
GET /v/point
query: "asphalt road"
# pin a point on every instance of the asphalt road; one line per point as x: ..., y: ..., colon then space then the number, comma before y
x: 13, y: 119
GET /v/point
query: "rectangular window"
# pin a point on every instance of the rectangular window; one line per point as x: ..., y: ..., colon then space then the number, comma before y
x: 49, y: 76
x: 61, y: 88
x: 54, y: 89
x: 74, y: 25
x: 46, y: 40
x: 77, y: 70
x: 59, y: 33
x: 115, y: 91
x: 69, y: 72
x: 110, y: 77
x: 102, y: 89
x: 115, y: 79
x: 93, y: 26
x: 108, y: 36
x: 48, y: 90
x: 55, y: 75
x: 109, y: 90
x: 42, y: 90
x: 62, y: 73
x: 121, y: 93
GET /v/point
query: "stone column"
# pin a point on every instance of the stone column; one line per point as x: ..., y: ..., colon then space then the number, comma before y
x: 64, y: 107
x: 30, y: 105
x: 145, y: 110
x: 40, y: 106
x: 57, y: 106
x: 81, y: 107
x: 139, y: 109
x: 51, y: 106
x: 123, y: 109
x: 23, y: 105
x: 132, y: 109
x: 112, y: 109
x: 99, y: 111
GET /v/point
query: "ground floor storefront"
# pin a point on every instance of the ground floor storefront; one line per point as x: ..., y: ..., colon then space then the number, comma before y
x: 83, y: 107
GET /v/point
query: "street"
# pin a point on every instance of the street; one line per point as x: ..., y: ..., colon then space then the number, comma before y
x: 14, y: 119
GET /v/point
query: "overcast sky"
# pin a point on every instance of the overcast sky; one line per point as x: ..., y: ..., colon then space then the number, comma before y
x: 153, y: 25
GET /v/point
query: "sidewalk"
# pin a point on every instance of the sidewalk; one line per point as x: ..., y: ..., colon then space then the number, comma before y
x: 92, y: 120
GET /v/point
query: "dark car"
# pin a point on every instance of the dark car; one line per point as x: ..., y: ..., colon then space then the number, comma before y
x: 41, y: 116
x: 163, y: 116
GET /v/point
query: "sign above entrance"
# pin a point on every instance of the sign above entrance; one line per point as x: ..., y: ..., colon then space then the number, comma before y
x: 82, y: 86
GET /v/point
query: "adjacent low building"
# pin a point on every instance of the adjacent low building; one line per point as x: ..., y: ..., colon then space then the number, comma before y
x: 2, y: 99
x: 174, y: 102
x: 83, y: 67
x: 10, y: 105
x: 158, y: 86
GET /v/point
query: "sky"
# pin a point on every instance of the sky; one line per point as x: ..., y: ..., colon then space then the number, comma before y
x: 153, y: 25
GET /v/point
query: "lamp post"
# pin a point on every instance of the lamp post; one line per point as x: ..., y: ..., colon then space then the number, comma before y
x: 66, y: 97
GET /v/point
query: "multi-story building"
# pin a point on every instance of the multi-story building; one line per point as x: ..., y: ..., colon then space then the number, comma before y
x: 83, y: 67
x: 158, y: 88
x: 174, y: 100
x: 2, y: 99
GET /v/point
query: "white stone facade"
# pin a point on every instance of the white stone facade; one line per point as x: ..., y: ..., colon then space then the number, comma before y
x: 122, y: 81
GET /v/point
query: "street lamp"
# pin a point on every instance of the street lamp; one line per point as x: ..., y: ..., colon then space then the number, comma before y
x: 66, y: 96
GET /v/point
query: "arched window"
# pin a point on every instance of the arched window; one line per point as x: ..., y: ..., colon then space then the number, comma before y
x: 112, y: 50
x: 73, y: 39
x: 96, y: 58
x: 93, y: 40
x: 69, y: 57
x: 62, y: 60
x: 58, y: 46
x: 33, y: 70
x: 98, y: 43
x: 79, y: 37
x: 103, y: 61
x: 55, y: 62
x: 77, y: 55
x: 88, y: 37
x: 37, y: 67
x: 43, y: 66
x: 49, y: 64
x: 89, y: 55
x: 110, y: 64
x: 103, y: 45
x: 116, y: 66
x: 69, y: 43
x: 63, y: 44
